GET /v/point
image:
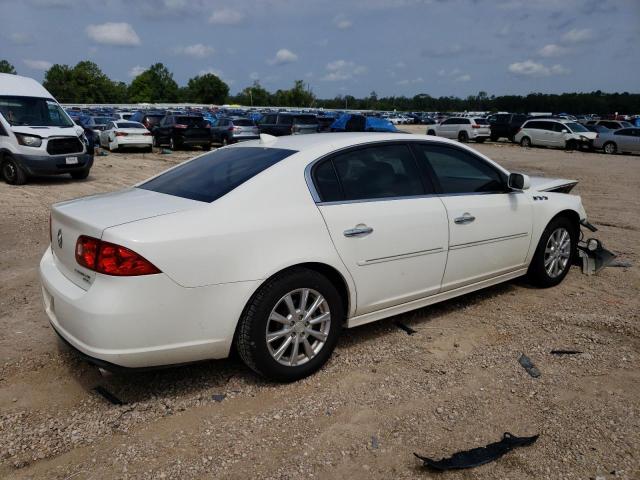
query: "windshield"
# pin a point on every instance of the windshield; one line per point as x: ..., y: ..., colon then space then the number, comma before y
x: 576, y: 127
x: 626, y: 125
x: 33, y: 112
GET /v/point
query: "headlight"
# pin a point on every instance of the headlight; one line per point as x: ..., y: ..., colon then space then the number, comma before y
x: 84, y: 139
x: 28, y: 140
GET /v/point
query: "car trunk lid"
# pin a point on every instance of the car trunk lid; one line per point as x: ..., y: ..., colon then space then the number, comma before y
x: 92, y: 215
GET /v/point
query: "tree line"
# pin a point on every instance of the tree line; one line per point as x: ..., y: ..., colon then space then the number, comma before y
x: 86, y: 83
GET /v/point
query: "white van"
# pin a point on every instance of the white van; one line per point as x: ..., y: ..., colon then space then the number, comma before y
x: 560, y: 133
x: 37, y: 137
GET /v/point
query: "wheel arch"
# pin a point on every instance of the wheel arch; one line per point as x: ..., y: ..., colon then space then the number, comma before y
x: 566, y: 211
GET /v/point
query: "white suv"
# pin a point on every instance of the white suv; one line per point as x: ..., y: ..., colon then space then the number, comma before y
x: 555, y: 133
x: 462, y: 129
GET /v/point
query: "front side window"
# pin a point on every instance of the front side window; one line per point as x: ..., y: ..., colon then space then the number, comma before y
x: 33, y: 112
x: 575, y: 127
x: 458, y: 171
x: 285, y: 120
x: 450, y: 121
x: 370, y: 173
x: 215, y: 174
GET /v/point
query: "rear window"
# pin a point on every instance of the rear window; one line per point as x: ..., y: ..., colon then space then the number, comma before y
x: 191, y: 121
x: 243, y: 122
x: 154, y: 119
x: 129, y: 125
x: 481, y: 121
x: 102, y: 120
x: 215, y: 174
x: 305, y: 120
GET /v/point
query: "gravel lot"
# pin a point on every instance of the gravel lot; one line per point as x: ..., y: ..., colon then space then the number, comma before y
x: 455, y: 384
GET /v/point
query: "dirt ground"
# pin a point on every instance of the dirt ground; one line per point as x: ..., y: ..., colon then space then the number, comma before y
x: 455, y: 384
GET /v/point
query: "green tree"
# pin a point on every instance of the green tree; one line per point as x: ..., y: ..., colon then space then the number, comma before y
x: 59, y: 81
x: 154, y: 85
x: 207, y: 88
x: 6, y: 67
x: 254, y: 95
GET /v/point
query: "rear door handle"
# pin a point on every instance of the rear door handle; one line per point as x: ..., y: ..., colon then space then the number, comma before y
x: 464, y: 219
x: 358, y: 231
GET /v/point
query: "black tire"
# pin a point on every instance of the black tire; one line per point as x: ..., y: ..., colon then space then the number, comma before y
x: 610, y: 148
x: 571, y: 145
x: 148, y: 150
x: 431, y: 132
x: 537, y: 272
x: 12, y: 172
x: 156, y: 143
x: 251, y: 340
x: 224, y: 142
x: 80, y: 174
x: 206, y: 147
x: 480, y: 140
x: 494, y: 138
x: 172, y: 144
x: 463, y: 137
x: 525, y: 142
x: 512, y: 139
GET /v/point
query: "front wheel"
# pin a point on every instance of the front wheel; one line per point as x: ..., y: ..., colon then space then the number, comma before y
x: 431, y: 132
x: 554, y: 254
x: 463, y: 137
x: 291, y: 325
x: 610, y: 148
x: 12, y: 172
x: 525, y: 142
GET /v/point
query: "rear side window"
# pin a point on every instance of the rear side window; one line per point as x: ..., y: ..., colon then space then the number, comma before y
x: 215, y: 174
x: 285, y: 120
x: 305, y: 120
x: 243, y: 122
x: 458, y: 171
x: 370, y: 173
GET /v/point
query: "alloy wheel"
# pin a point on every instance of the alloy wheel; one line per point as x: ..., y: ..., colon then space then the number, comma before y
x: 557, y: 252
x: 298, y: 327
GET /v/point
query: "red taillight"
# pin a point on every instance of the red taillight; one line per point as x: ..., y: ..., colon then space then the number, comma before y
x: 121, y: 134
x: 231, y: 129
x: 111, y: 259
x: 146, y: 133
x: 475, y: 125
x: 180, y: 125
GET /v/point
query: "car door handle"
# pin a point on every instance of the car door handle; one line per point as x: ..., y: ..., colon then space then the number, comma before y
x: 464, y: 219
x: 358, y: 231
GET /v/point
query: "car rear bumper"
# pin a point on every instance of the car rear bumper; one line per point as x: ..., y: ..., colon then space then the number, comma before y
x: 135, y: 142
x: 52, y: 164
x: 142, y: 322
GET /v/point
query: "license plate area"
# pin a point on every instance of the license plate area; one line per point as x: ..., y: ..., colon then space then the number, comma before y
x: 71, y: 160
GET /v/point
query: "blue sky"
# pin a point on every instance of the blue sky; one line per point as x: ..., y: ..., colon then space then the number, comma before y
x: 395, y: 47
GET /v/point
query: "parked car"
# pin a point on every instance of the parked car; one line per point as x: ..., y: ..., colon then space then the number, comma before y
x: 262, y: 246
x: 148, y: 119
x: 283, y: 123
x: 37, y: 137
x: 597, y: 128
x: 506, y: 125
x: 94, y: 124
x: 611, y: 124
x: 462, y: 129
x: 178, y: 131
x: 231, y: 130
x: 122, y: 115
x: 324, y: 123
x: 119, y: 134
x: 619, y: 141
x: 555, y: 133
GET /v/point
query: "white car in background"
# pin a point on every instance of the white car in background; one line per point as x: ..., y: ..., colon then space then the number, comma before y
x: 462, y: 129
x: 557, y: 133
x: 125, y: 133
x: 273, y: 246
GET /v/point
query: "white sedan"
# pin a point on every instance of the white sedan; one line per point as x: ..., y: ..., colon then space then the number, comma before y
x: 273, y: 246
x: 124, y: 133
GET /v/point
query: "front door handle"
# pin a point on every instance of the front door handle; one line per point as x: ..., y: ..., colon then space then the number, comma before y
x: 464, y: 219
x: 358, y: 231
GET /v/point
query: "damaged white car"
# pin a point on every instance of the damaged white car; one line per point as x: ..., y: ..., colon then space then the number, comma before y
x: 273, y: 246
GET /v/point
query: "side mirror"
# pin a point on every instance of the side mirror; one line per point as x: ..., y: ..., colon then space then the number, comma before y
x: 518, y: 181
x: 564, y: 130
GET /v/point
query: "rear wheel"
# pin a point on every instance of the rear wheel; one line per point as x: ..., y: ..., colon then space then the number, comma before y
x: 12, y: 172
x: 525, y: 142
x: 610, y: 148
x: 480, y: 140
x: 494, y: 138
x: 172, y: 144
x: 431, y: 132
x: 463, y: 137
x: 554, y: 254
x: 291, y: 325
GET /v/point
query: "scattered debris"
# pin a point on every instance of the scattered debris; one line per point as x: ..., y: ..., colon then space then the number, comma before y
x: 620, y: 264
x: 480, y: 455
x: 528, y: 365
x: 108, y: 395
x: 218, y: 397
x: 374, y: 442
x: 406, y: 328
x: 565, y: 352
x: 165, y: 151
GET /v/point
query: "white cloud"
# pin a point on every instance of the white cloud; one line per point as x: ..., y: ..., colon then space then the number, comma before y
x: 578, y: 35
x: 283, y: 56
x: 226, y: 16
x: 21, y: 38
x: 342, y: 22
x: 196, y: 51
x: 117, y: 34
x: 342, y: 70
x: 553, y: 50
x: 529, y: 68
x: 38, y: 64
x: 254, y: 76
x: 135, y: 71
x: 412, y: 81
x: 463, y: 78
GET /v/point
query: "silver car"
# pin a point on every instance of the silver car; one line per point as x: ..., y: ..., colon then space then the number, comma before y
x: 618, y: 141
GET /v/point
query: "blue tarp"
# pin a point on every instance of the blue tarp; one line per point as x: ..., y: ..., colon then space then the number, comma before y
x: 350, y: 122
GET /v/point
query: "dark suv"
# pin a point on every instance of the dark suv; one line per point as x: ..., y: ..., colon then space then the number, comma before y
x: 182, y: 131
x: 148, y: 119
x: 506, y: 125
x: 279, y: 124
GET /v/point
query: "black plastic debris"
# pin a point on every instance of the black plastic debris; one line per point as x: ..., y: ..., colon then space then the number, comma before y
x: 107, y: 395
x: 406, y: 328
x: 480, y: 455
x: 374, y: 442
x: 218, y: 397
x: 565, y: 352
x: 528, y: 365
x: 620, y: 264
